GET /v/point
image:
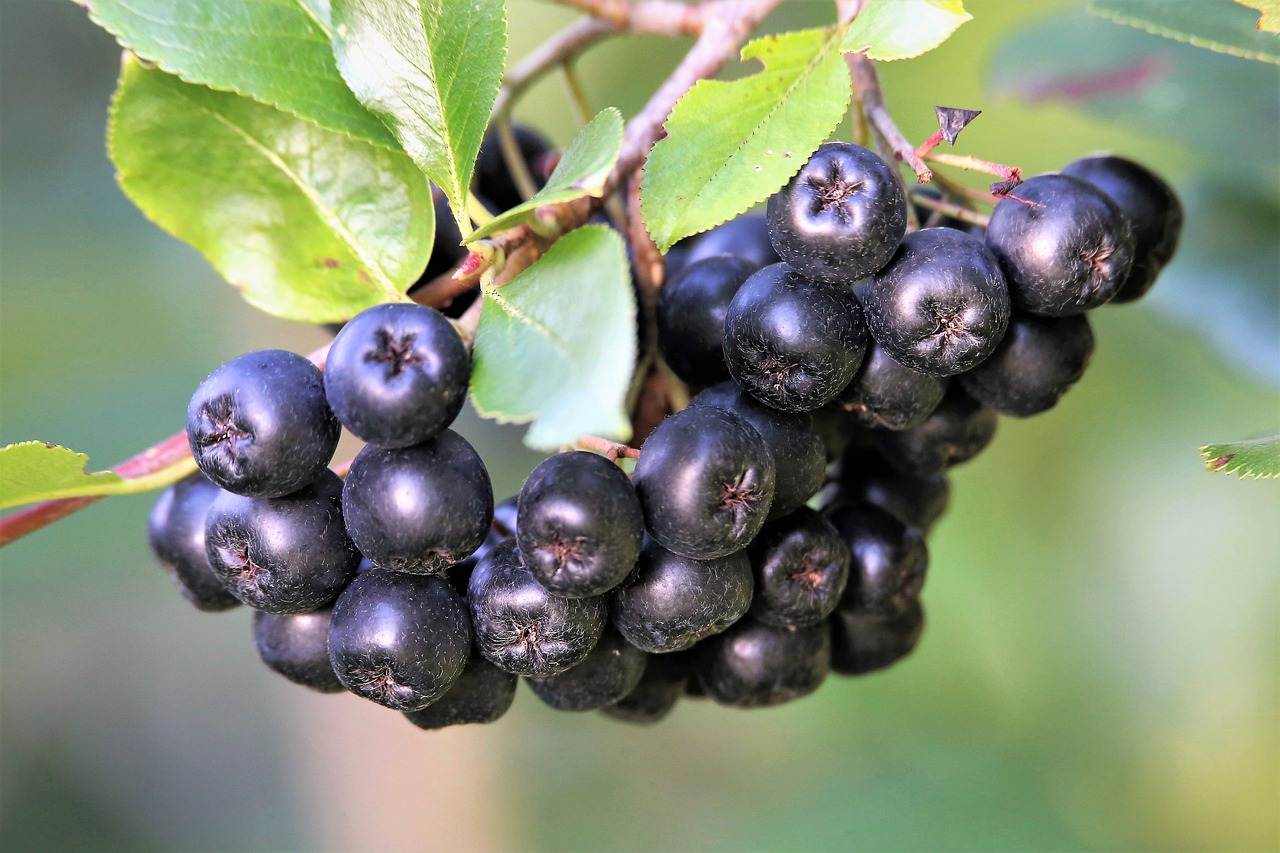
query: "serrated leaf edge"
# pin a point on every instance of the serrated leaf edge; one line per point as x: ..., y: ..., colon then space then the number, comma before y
x: 799, y: 161
x: 1178, y: 36
x: 1214, y: 452
x: 389, y: 143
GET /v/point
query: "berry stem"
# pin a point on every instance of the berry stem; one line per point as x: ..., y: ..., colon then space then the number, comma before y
x: 1010, y: 176
x: 866, y: 85
x: 511, y: 155
x: 950, y: 208
x: 609, y: 449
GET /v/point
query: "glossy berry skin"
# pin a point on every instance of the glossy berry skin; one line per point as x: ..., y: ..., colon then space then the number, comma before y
x: 889, y: 562
x: 260, y: 426
x: 841, y: 217
x: 1064, y: 248
x: 745, y: 236
x: 610, y: 672
x: 865, y: 642
x: 1035, y: 364
x: 419, y: 508
x: 801, y: 567
x: 657, y: 692
x: 672, y: 602
x: 940, y: 306
x: 296, y: 645
x: 482, y: 694
x: 398, y: 639
x: 282, y: 555
x: 754, y: 665
x: 691, y: 309
x: 890, y: 395
x: 1149, y: 205
x: 958, y: 430
x: 705, y: 479
x: 493, y: 178
x: 397, y: 374
x: 792, y: 342
x: 919, y: 500
x: 581, y: 525
x: 798, y: 452
x: 523, y: 629
x: 175, y: 531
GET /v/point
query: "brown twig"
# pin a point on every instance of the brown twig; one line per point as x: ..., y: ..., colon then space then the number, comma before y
x: 866, y: 86
x: 607, y: 448
x: 951, y: 208
x: 1010, y: 176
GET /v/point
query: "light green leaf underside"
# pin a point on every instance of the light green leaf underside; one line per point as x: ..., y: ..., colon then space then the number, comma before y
x: 1258, y: 458
x: 34, y: 471
x: 730, y: 145
x: 557, y: 344
x: 582, y: 171
x: 310, y: 224
x: 276, y: 52
x: 1217, y: 25
x: 902, y: 29
x: 1269, y: 14
x: 430, y: 69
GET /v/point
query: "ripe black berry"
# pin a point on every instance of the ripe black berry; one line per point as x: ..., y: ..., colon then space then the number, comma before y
x: 754, y: 665
x: 581, y: 525
x: 175, y: 531
x: 282, y: 555
x: 399, y: 639
x: 652, y: 699
x: 863, y: 642
x: 801, y: 567
x: 522, y: 628
x: 745, y: 236
x: 482, y: 694
x: 798, y: 452
x: 1063, y: 245
x: 940, y: 306
x: 672, y: 602
x: 1149, y: 205
x: 1035, y: 364
x: 792, y: 342
x: 610, y: 672
x: 296, y: 645
x: 259, y: 425
x: 887, y: 394
x: 397, y: 374
x: 419, y: 508
x: 691, y: 309
x: 889, y: 558
x: 841, y: 217
x: 705, y: 479
x: 958, y: 430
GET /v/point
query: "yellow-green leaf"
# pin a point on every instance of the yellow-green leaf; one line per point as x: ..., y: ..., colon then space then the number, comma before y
x: 32, y: 471
x: 1258, y: 458
x: 901, y: 29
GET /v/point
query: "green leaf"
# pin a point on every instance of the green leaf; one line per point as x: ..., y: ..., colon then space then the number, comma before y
x: 311, y: 224
x: 274, y: 51
x: 730, y: 145
x: 582, y: 171
x: 556, y: 345
x: 32, y: 471
x: 1259, y: 458
x: 1218, y: 25
x: 1269, y: 19
x: 431, y: 70
x: 902, y: 29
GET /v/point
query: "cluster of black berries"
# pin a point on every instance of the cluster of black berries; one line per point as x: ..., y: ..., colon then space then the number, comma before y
x: 706, y: 572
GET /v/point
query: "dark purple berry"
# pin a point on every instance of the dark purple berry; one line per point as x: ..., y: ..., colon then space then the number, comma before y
x: 794, y: 343
x: 890, y: 395
x: 801, y: 567
x: 745, y: 236
x: 889, y: 561
x: 863, y: 642
x: 482, y: 694
x: 705, y: 478
x: 940, y: 306
x: 691, y: 309
x: 259, y: 425
x: 1063, y: 245
x: 657, y: 692
x: 754, y: 665
x: 399, y: 639
x: 841, y: 217
x: 958, y: 430
x: 1035, y: 364
x: 175, y: 531
x: 608, y: 673
x: 296, y: 645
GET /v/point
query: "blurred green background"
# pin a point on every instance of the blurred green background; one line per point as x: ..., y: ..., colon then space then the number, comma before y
x: 1101, y: 665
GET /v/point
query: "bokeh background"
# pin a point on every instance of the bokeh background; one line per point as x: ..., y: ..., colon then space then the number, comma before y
x: 1101, y: 664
